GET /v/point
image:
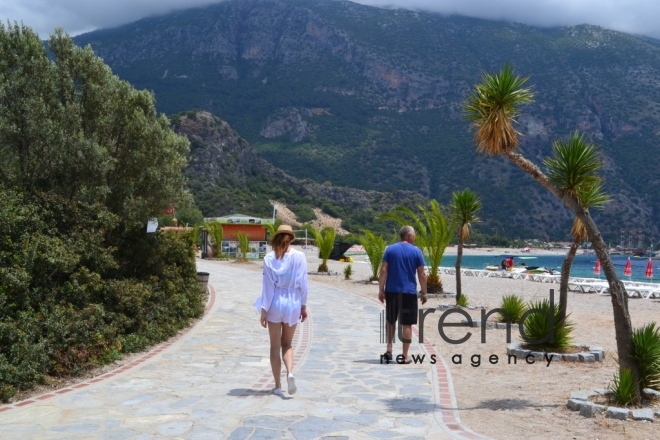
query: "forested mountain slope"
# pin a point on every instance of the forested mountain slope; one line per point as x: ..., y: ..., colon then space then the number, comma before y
x: 372, y: 98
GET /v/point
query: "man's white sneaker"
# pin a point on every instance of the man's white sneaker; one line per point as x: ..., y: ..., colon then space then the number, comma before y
x: 278, y: 392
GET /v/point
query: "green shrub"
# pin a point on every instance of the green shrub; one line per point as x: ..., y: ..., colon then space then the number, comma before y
x: 624, y: 388
x: 514, y: 306
x: 537, y: 325
x: 463, y: 301
x: 646, y: 352
x: 348, y: 271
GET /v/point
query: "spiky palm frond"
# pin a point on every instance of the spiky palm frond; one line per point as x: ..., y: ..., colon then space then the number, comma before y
x: 325, y: 240
x: 374, y: 246
x: 574, y: 164
x: 590, y: 195
x: 493, y: 108
x: 243, y: 244
x: 465, y: 205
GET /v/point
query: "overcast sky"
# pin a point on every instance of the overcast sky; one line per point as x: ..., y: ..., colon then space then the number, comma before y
x: 78, y: 16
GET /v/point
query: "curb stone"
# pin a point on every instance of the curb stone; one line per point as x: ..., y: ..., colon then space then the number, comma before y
x: 617, y: 413
x: 596, y: 354
x: 643, y: 414
x: 588, y: 409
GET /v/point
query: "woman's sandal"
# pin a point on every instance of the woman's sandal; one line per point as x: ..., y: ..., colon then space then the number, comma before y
x: 388, y: 356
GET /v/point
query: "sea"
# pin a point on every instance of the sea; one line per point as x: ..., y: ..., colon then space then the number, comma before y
x: 583, y: 265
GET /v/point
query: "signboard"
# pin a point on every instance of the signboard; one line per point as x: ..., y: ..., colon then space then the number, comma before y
x: 152, y: 225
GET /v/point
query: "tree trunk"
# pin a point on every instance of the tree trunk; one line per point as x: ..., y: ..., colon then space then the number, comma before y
x: 622, y: 325
x: 459, y: 258
x: 565, y: 275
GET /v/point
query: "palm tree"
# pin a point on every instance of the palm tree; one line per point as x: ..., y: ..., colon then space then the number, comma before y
x: 325, y: 240
x: 433, y: 232
x: 215, y: 230
x: 493, y: 107
x: 374, y: 246
x: 573, y: 168
x: 465, y: 206
x: 243, y: 245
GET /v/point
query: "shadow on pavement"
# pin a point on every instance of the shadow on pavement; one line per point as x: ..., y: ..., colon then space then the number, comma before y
x: 410, y: 405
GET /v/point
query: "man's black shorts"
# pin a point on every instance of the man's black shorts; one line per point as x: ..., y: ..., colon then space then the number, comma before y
x: 404, y: 304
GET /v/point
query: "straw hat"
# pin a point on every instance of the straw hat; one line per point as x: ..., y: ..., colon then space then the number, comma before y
x: 285, y: 229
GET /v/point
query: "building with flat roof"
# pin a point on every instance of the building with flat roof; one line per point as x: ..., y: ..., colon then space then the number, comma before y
x: 253, y: 227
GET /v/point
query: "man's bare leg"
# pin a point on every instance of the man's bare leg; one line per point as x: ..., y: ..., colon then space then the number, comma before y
x: 407, y: 336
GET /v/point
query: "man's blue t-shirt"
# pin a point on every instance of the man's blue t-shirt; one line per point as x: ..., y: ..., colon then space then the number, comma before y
x: 402, y: 260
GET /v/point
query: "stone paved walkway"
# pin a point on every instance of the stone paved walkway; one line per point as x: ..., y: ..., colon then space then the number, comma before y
x: 213, y: 382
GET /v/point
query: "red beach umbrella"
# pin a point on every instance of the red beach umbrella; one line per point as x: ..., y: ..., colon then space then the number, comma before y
x: 597, y: 268
x: 627, y: 271
x: 649, y: 269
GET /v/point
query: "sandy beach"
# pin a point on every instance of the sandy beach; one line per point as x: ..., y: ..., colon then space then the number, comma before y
x: 520, y: 401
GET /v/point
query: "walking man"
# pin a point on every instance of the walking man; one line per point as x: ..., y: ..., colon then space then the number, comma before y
x: 397, y: 288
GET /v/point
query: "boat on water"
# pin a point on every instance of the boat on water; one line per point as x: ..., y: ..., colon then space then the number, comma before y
x: 520, y: 266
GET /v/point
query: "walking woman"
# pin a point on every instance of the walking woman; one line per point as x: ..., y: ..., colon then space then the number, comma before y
x: 283, y: 302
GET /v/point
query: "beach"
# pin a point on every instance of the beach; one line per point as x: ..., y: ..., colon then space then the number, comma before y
x: 517, y: 401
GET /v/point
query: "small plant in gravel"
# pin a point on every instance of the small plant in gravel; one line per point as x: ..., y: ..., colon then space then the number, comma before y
x: 348, y: 271
x: 462, y: 301
x: 646, y: 351
x: 538, y: 325
x: 514, y: 306
x: 624, y: 388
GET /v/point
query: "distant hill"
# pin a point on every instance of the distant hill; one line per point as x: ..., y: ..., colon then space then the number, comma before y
x: 227, y: 176
x: 372, y: 98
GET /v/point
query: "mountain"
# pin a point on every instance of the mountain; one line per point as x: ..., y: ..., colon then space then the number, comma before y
x: 227, y: 176
x: 371, y: 98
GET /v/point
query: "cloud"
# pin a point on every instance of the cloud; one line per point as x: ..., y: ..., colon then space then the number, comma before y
x: 631, y: 16
x: 77, y: 16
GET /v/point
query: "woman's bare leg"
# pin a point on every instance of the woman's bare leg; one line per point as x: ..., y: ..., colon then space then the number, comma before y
x: 287, y: 351
x: 275, y: 330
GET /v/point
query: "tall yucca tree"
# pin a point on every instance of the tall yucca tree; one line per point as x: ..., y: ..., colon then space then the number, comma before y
x: 493, y: 107
x: 573, y: 168
x: 325, y: 240
x: 433, y: 231
x: 465, y: 205
x: 374, y: 246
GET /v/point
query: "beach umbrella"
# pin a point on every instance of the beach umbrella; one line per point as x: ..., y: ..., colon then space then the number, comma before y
x: 597, y: 268
x: 649, y: 269
x: 627, y: 271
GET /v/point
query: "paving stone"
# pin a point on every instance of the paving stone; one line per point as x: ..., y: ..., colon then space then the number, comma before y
x: 598, y: 355
x: 270, y: 422
x: 266, y: 434
x: 570, y: 357
x: 173, y: 429
x: 582, y: 394
x: 603, y: 392
x: 538, y: 355
x: 587, y: 358
x: 556, y: 357
x: 575, y: 404
x: 359, y: 419
x: 652, y: 393
x: 383, y: 434
x: 587, y: 410
x: 83, y: 427
x: 643, y: 414
x: 240, y: 433
x: 617, y: 413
